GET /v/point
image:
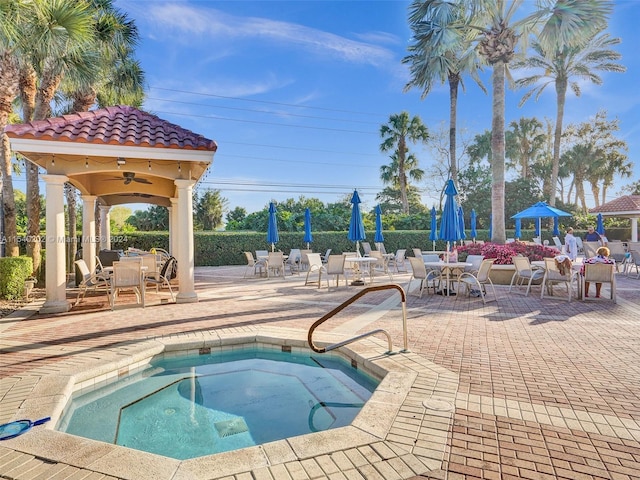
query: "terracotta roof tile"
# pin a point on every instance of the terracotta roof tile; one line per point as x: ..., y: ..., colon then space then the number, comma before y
x: 627, y: 203
x: 121, y: 125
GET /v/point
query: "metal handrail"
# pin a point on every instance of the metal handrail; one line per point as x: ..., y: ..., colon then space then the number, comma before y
x: 342, y: 306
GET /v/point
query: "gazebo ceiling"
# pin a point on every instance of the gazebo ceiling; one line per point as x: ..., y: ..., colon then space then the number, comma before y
x: 119, y: 154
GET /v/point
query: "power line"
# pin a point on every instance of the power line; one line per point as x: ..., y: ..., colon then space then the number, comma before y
x: 264, y: 101
x: 216, y: 117
x: 264, y: 111
x: 299, y: 162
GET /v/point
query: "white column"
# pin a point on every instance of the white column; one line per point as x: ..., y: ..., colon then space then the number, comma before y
x: 184, y: 236
x: 105, y: 227
x: 56, y: 278
x: 634, y: 229
x: 89, y: 230
x: 173, y: 227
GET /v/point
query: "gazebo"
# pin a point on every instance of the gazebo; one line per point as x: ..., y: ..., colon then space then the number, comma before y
x: 627, y: 206
x: 113, y: 156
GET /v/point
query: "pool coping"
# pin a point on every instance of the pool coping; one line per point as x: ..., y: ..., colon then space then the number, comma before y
x: 403, y: 426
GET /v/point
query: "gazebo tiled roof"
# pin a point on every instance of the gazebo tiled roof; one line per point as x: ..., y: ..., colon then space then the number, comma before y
x: 623, y: 206
x: 121, y: 125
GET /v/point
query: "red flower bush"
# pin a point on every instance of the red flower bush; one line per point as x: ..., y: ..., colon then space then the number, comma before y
x: 503, y: 253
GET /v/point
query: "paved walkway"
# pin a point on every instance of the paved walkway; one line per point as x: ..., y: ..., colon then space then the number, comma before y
x: 544, y: 388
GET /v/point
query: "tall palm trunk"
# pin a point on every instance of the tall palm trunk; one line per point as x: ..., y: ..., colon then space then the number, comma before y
x: 454, y: 82
x: 8, y: 92
x: 561, y: 93
x: 498, y: 154
x: 402, y: 174
x: 70, y: 194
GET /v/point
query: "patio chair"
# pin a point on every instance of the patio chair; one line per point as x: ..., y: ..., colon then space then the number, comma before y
x: 262, y: 254
x: 617, y: 252
x: 558, y: 244
x: 164, y: 276
x: 475, y: 261
x: 590, y: 249
x: 398, y: 261
x: 476, y: 282
x: 127, y: 275
x: 633, y: 261
x: 275, y: 264
x: 381, y: 248
x: 366, y: 247
x: 90, y: 280
x: 419, y: 272
x: 350, y: 266
x: 553, y: 276
x: 336, y: 266
x: 149, y: 267
x: 417, y: 252
x: 537, y: 240
x: 525, y: 272
x: 315, y: 265
x: 599, y: 273
x: 304, y: 260
x: 253, y: 264
x: 325, y: 257
x: 579, y: 245
x: 293, y: 261
x: 380, y: 266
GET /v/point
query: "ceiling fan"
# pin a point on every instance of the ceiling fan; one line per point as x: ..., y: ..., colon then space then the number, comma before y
x: 129, y: 177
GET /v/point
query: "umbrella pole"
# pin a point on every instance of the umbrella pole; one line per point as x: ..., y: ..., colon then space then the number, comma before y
x: 273, y: 247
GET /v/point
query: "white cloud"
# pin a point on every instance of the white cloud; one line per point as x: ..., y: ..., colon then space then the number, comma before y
x: 186, y: 21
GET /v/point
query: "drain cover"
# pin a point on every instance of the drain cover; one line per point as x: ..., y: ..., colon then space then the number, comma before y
x: 438, y: 404
x: 234, y: 426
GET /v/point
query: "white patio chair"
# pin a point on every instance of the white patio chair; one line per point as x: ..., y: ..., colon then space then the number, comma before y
x: 315, y: 266
x: 127, y: 275
x: 590, y: 249
x: 558, y: 244
x: 417, y: 252
x: 90, y: 280
x: 525, y: 272
x: 475, y: 261
x: 419, y: 272
x: 599, y: 273
x: 304, y: 260
x: 163, y: 277
x: 617, y: 252
x: 552, y: 276
x: 336, y: 266
x: 275, y: 264
x: 366, y: 247
x: 398, y: 261
x: 325, y: 257
x: 579, y: 245
x: 253, y: 264
x: 293, y: 261
x: 633, y: 261
x: 477, y: 281
x: 380, y: 266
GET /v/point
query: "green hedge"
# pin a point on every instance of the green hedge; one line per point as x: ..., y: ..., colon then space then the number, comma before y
x: 13, y: 272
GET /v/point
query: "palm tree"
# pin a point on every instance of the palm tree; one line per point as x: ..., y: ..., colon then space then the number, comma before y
x: 563, y: 22
x: 437, y: 57
x: 389, y: 173
x: 14, y: 17
x: 558, y: 66
x: 395, y: 135
x: 525, y: 143
x: 60, y: 35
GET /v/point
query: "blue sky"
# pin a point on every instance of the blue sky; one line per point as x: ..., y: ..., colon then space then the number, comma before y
x: 294, y: 92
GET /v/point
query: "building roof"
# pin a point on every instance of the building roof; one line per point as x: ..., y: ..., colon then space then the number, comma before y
x: 120, y: 125
x: 626, y: 205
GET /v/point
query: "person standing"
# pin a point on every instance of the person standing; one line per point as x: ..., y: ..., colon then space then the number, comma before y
x: 602, y: 256
x: 571, y: 245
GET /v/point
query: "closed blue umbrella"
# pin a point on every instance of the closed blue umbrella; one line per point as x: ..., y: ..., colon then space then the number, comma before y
x: 449, y: 223
x: 356, y: 226
x: 518, y: 232
x: 433, y: 236
x: 307, y: 228
x: 463, y: 235
x: 272, y: 227
x: 379, y: 238
x: 556, y: 227
x: 600, y: 224
x: 474, y: 234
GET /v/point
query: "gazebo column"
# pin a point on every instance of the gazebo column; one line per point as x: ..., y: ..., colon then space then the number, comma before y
x: 173, y: 227
x: 105, y: 227
x: 634, y: 229
x: 56, y: 278
x: 184, y: 236
x: 89, y: 230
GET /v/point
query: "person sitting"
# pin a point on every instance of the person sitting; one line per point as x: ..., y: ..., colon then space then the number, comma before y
x: 592, y: 235
x: 571, y: 245
x: 602, y: 256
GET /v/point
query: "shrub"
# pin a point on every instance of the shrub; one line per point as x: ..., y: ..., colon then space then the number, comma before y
x: 13, y: 272
x: 503, y: 253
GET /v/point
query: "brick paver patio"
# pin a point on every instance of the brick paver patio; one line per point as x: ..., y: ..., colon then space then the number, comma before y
x: 545, y: 388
